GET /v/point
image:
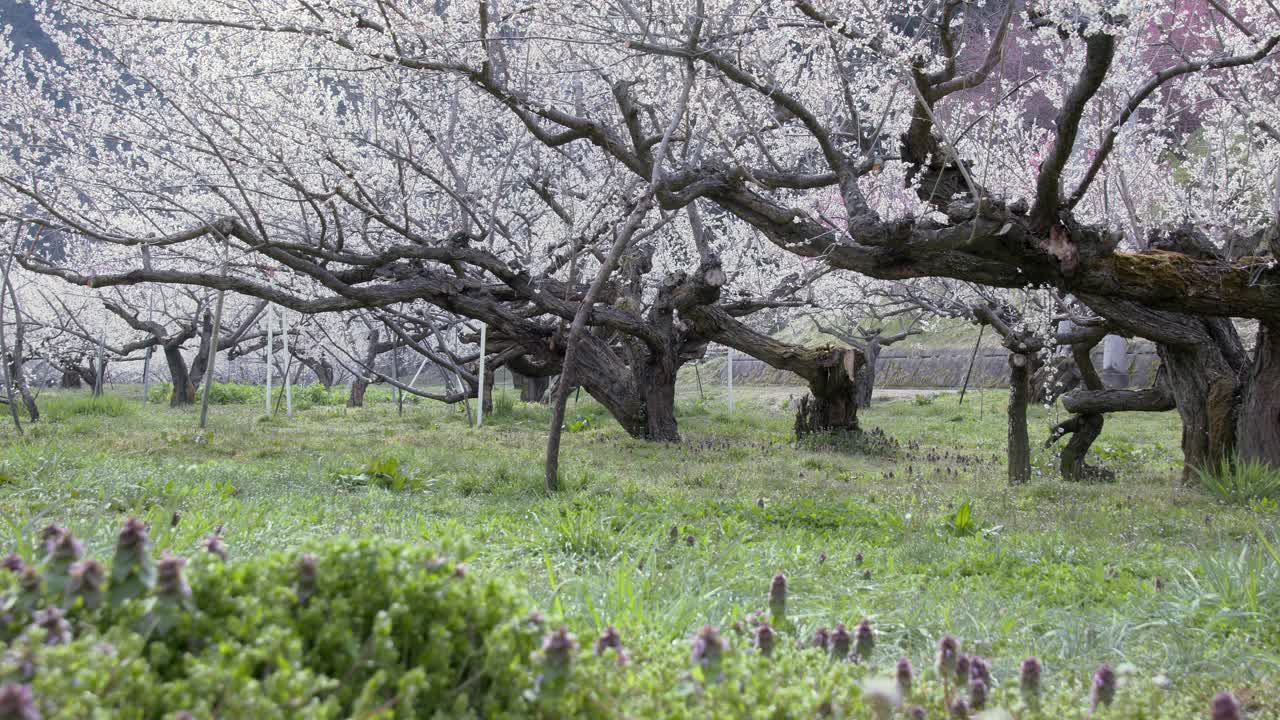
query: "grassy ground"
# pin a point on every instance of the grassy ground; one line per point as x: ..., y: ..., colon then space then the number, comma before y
x: 1141, y: 573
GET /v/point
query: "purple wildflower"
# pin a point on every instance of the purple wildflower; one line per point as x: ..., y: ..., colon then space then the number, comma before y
x: 905, y: 675
x: 611, y: 639
x: 133, y: 536
x: 765, y: 638
x: 57, y: 629
x: 864, y: 640
x: 980, y: 669
x: 821, y: 638
x: 608, y: 640
x: 708, y: 647
x: 17, y: 702
x: 50, y: 536
x: 1104, y: 687
x: 959, y: 709
x: 977, y: 694
x: 962, y: 669
x: 170, y: 583
x: 948, y: 651
x: 13, y: 563
x: 1030, y: 682
x: 67, y: 549
x: 1225, y: 707
x: 215, y: 546
x: 840, y: 642
x: 86, y: 580
x: 558, y: 648
x: 29, y: 580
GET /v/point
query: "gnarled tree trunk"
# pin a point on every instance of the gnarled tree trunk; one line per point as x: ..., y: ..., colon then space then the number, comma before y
x: 832, y: 405
x: 184, y: 389
x: 69, y: 379
x: 1208, y: 375
x: 360, y: 383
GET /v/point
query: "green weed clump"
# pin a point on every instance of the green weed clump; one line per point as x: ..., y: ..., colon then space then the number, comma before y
x: 67, y: 406
x: 1241, y: 482
x: 219, y: 394
x: 384, y: 472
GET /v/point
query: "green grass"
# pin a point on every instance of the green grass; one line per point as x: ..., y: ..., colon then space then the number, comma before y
x: 1144, y: 572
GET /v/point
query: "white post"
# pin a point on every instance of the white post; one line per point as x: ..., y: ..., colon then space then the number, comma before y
x: 421, y: 365
x: 484, y: 328
x: 288, y: 384
x: 270, y: 312
x: 731, y: 381
x: 146, y: 361
x: 213, y: 354
x: 102, y: 360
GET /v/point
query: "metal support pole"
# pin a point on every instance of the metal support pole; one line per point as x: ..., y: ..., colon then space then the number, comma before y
x: 288, y: 383
x: 395, y: 375
x: 421, y: 366
x: 484, y: 329
x: 146, y: 376
x: 268, y: 317
x: 146, y: 360
x: 102, y: 356
x: 731, y: 381
x: 213, y: 355
x: 214, y: 339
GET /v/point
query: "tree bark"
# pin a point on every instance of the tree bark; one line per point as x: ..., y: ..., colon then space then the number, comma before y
x: 658, y: 379
x: 865, y: 380
x: 1258, y: 437
x: 18, y: 375
x: 1204, y: 387
x: 18, y: 357
x: 184, y: 390
x: 360, y: 383
x: 489, y: 374
x: 356, y: 397
x: 1019, y: 396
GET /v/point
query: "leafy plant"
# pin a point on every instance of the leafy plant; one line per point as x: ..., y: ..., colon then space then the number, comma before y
x: 581, y: 423
x: 382, y: 472
x: 962, y: 522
